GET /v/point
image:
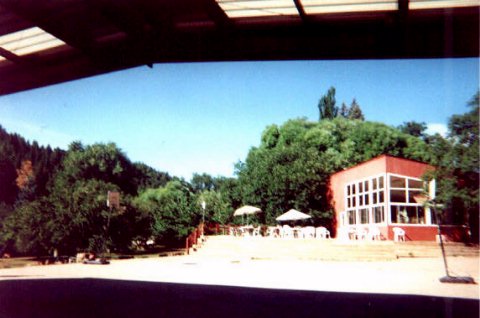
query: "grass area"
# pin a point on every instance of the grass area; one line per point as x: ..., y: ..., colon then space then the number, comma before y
x: 151, y: 253
x: 17, y: 262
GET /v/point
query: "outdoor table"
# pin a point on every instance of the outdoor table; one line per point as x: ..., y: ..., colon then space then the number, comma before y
x: 273, y: 231
x: 297, y: 232
x: 246, y: 230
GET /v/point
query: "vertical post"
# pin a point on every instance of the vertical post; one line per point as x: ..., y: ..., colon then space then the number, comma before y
x: 204, y: 204
x: 441, y: 240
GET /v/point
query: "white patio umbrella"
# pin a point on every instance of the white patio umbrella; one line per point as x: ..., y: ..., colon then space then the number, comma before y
x: 246, y: 210
x: 293, y: 215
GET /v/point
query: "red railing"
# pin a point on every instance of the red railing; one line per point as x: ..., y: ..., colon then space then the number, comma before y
x: 193, y: 239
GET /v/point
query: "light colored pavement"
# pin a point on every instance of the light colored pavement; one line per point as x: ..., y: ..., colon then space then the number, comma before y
x: 415, y: 276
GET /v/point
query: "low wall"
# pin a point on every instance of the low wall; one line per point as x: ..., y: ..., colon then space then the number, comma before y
x: 456, y: 233
x: 415, y: 232
x: 450, y: 233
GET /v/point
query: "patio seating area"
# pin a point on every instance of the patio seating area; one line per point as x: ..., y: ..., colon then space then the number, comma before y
x: 370, y: 233
x: 280, y: 231
x: 285, y: 231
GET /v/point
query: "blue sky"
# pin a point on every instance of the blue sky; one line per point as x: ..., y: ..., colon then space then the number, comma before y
x: 204, y: 117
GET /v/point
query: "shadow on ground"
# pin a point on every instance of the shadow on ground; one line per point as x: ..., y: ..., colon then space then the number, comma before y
x: 118, y: 298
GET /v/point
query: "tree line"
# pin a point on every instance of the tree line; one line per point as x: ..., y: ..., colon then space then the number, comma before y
x: 55, y: 199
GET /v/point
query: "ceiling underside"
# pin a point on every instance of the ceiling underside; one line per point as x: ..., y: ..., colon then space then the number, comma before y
x: 53, y: 41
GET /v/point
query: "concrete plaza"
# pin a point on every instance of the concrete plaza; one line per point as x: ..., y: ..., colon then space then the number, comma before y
x: 405, y: 276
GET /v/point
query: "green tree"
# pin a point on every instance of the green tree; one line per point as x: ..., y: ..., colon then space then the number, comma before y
x: 14, y: 152
x: 458, y: 170
x: 217, y: 208
x: 294, y: 171
x: 30, y: 229
x: 83, y: 216
x: 354, y: 112
x: 202, y: 182
x: 413, y: 128
x: 344, y: 110
x: 147, y: 177
x: 79, y: 193
x: 8, y: 189
x: 292, y: 174
x: 173, y: 210
x: 230, y: 191
x: 326, y: 105
x: 99, y: 161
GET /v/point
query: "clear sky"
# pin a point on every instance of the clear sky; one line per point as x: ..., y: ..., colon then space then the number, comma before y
x: 204, y: 117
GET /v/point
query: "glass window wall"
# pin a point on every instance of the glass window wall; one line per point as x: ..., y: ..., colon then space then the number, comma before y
x: 405, y: 207
x: 364, y: 200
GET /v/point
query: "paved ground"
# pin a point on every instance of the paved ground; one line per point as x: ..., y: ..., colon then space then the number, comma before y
x: 403, y: 276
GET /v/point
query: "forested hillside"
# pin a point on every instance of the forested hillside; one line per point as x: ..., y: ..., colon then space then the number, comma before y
x: 25, y: 168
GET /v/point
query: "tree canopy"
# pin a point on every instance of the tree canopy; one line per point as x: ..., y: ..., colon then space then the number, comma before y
x: 292, y: 166
x: 414, y: 128
x: 458, y: 169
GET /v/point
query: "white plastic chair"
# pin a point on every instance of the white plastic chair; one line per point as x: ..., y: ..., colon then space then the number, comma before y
x: 279, y: 231
x: 374, y: 233
x: 352, y: 233
x: 398, y: 234
x: 287, y: 231
x: 297, y: 232
x: 343, y: 234
x: 308, y: 232
x: 271, y: 231
x: 322, y: 233
x: 360, y: 234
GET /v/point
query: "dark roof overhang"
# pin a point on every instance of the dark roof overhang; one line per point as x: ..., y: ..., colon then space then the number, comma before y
x: 100, y: 36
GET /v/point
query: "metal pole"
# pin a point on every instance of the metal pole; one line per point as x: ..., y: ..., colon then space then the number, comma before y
x: 448, y: 278
x: 441, y: 240
x: 203, y: 211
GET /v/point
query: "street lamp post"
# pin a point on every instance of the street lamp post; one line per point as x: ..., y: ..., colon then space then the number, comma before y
x: 203, y: 217
x: 203, y: 211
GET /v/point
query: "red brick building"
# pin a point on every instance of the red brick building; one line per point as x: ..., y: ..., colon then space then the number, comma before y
x: 376, y: 196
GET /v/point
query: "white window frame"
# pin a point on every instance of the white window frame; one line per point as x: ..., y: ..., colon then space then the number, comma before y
x: 369, y: 194
x: 407, y: 189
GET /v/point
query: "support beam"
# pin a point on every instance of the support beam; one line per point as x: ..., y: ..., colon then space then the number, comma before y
x: 10, y: 56
x: 301, y: 11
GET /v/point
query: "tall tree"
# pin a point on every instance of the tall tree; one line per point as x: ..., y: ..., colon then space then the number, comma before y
x: 344, y: 110
x: 354, y: 112
x: 79, y: 193
x: 99, y: 161
x: 326, y: 105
